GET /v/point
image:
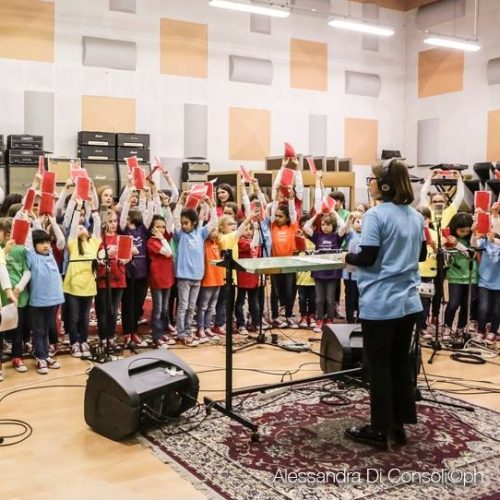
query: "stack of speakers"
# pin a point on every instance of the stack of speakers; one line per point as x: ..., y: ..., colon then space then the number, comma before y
x: 103, y: 155
x: 194, y: 172
x: 22, y: 156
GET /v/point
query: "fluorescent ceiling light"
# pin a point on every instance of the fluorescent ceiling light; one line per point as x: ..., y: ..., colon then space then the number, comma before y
x: 453, y: 43
x: 354, y: 25
x: 251, y: 8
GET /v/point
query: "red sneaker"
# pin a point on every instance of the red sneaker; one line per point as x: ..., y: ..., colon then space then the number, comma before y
x: 138, y: 341
x: 18, y: 364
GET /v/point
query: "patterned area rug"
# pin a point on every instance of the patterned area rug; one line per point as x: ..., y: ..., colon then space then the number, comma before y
x: 303, y: 454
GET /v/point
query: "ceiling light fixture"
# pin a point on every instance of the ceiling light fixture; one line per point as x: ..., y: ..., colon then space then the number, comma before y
x: 350, y: 24
x: 453, y: 43
x: 252, y: 8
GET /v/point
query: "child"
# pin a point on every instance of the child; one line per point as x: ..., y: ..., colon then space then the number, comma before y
x: 326, y: 240
x: 488, y: 287
x: 161, y: 280
x: 189, y: 266
x: 339, y: 198
x: 79, y: 283
x: 459, y: 273
x: 46, y: 294
x: 283, y: 230
x: 306, y: 284
x: 19, y: 275
x: 349, y: 274
x: 248, y: 284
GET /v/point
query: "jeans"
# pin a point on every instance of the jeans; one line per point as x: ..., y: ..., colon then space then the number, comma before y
x: 488, y: 309
x: 107, y: 313
x: 187, y: 294
x: 253, y: 305
x: 220, y: 307
x: 132, y: 301
x: 207, y: 299
x: 284, y: 289
x: 386, y: 347
x: 426, y: 303
x: 307, y: 300
x: 172, y: 303
x: 77, y: 317
x: 325, y: 298
x: 458, y: 297
x: 17, y: 335
x: 351, y: 300
x: 41, y: 319
x: 159, y: 315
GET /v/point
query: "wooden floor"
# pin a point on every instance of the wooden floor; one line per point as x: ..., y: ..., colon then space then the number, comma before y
x: 65, y: 459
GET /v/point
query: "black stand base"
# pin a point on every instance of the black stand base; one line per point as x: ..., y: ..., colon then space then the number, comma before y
x: 435, y: 346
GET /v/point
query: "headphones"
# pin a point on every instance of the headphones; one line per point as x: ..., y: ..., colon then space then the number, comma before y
x: 383, y: 181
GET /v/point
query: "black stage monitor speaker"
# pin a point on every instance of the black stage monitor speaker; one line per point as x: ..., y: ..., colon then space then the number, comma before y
x: 341, y: 348
x: 125, y: 396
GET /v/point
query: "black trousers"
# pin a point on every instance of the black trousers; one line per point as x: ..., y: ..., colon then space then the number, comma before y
x: 386, y: 349
x: 106, y: 323
x: 285, y: 290
x: 132, y: 301
x: 307, y: 300
x: 253, y: 306
x: 351, y: 300
x: 17, y: 335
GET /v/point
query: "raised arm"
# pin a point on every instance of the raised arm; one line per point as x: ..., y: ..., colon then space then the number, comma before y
x: 459, y: 195
x: 125, y: 200
x: 212, y: 223
x: 308, y: 226
x: 172, y: 187
x: 60, y: 240
x: 318, y: 192
x: 291, y: 208
x: 148, y: 217
x: 75, y: 221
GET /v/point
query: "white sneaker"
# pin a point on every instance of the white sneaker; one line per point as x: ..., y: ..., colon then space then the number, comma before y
x: 211, y: 335
x: 279, y: 323
x: 52, y: 363
x: 41, y: 367
x: 86, y: 354
x: 446, y: 334
x: 243, y: 331
x: 168, y: 340
x: 75, y: 350
x: 291, y: 323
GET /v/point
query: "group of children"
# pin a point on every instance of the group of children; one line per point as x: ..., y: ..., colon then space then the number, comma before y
x: 70, y: 260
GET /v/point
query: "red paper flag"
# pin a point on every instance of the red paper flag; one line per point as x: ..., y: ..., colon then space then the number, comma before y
x: 198, y: 192
x: 210, y: 190
x: 78, y: 172
x: 125, y: 243
x: 20, y: 228
x: 48, y: 182
x: 427, y: 235
x: 483, y: 223
x: 262, y: 214
x: 46, y: 204
x: 139, y: 178
x: 245, y: 174
x: 150, y: 176
x: 445, y: 232
x: 41, y: 164
x: 482, y: 200
x: 287, y: 178
x: 83, y: 188
x: 312, y: 165
x: 29, y: 200
x: 289, y: 151
x: 328, y: 205
x: 132, y: 163
x: 300, y: 243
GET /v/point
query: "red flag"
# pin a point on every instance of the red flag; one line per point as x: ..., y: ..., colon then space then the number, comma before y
x: 139, y: 178
x: 312, y: 165
x: 300, y: 243
x: 483, y: 223
x: 482, y: 200
x: 287, y: 178
x: 78, y: 172
x: 198, y: 192
x: 289, y: 151
x: 245, y: 174
x: 131, y: 163
x: 155, y: 169
x: 20, y: 228
x: 83, y: 188
x: 210, y: 190
x: 41, y: 164
x: 29, y: 200
x: 445, y: 232
x: 125, y: 243
x: 46, y: 206
x: 48, y: 182
x: 427, y: 234
x: 328, y: 205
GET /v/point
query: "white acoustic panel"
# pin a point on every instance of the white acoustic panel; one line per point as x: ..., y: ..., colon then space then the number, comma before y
x: 260, y: 24
x: 250, y: 70
x: 318, y: 126
x: 128, y: 6
x: 39, y: 116
x: 195, y: 130
x: 366, y: 84
x: 107, y: 53
x: 439, y: 12
x: 322, y: 6
x: 428, y: 142
x: 493, y: 71
x: 370, y: 13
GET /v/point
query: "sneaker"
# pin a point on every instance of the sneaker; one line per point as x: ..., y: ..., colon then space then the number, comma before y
x: 86, y: 354
x: 425, y: 335
x: 303, y: 322
x: 265, y: 324
x: 1, y: 376
x: 41, y: 367
x: 75, y: 350
x: 201, y: 337
x: 218, y: 330
x: 279, y: 323
x: 311, y: 321
x: 168, y: 340
x: 319, y: 326
x: 139, y: 342
x: 338, y: 315
x: 473, y: 327
x: 126, y: 340
x: 160, y: 344
x: 28, y: 348
x: 53, y: 364
x: 446, y: 334
x: 291, y: 323
x: 18, y: 364
x: 142, y: 321
x: 491, y: 338
x: 52, y: 350
x: 242, y: 331
x: 211, y: 335
x: 329, y: 321
x: 479, y: 337
x: 188, y: 340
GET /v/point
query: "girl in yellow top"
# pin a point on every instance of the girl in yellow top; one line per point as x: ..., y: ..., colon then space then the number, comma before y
x: 79, y: 283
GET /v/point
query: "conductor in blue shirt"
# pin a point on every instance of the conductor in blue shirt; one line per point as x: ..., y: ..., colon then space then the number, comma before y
x: 392, y: 244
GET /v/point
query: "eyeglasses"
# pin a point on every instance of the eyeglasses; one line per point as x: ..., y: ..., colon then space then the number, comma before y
x: 369, y: 180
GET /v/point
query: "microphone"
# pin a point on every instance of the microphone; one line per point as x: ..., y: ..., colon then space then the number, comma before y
x: 438, y: 211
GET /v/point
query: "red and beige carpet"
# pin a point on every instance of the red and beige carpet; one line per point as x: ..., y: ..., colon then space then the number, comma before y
x: 303, y: 454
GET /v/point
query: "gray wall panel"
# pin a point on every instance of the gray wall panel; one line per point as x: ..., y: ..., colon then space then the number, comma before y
x: 106, y: 53
x: 318, y: 129
x: 493, y: 71
x: 250, y: 70
x: 39, y: 116
x: 370, y: 13
x: 195, y: 130
x: 260, y: 24
x: 428, y: 142
x: 365, y: 84
x: 128, y: 6
x: 440, y: 12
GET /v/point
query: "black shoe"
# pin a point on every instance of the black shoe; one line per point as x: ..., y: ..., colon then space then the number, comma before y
x: 399, y: 436
x: 367, y: 435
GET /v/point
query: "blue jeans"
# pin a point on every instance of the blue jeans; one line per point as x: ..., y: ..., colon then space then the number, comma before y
x: 77, y: 317
x: 207, y: 299
x: 488, y: 309
x: 159, y: 315
x: 41, y: 319
x: 187, y: 294
x: 458, y: 297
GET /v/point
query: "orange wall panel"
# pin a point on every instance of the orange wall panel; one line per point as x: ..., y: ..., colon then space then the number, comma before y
x: 108, y: 114
x: 308, y: 65
x: 493, y: 145
x: 249, y: 134
x: 361, y: 140
x: 440, y: 71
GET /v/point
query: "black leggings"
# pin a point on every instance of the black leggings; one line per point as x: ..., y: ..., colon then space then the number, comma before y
x: 132, y: 301
x: 284, y: 290
x: 106, y: 318
x: 386, y: 348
